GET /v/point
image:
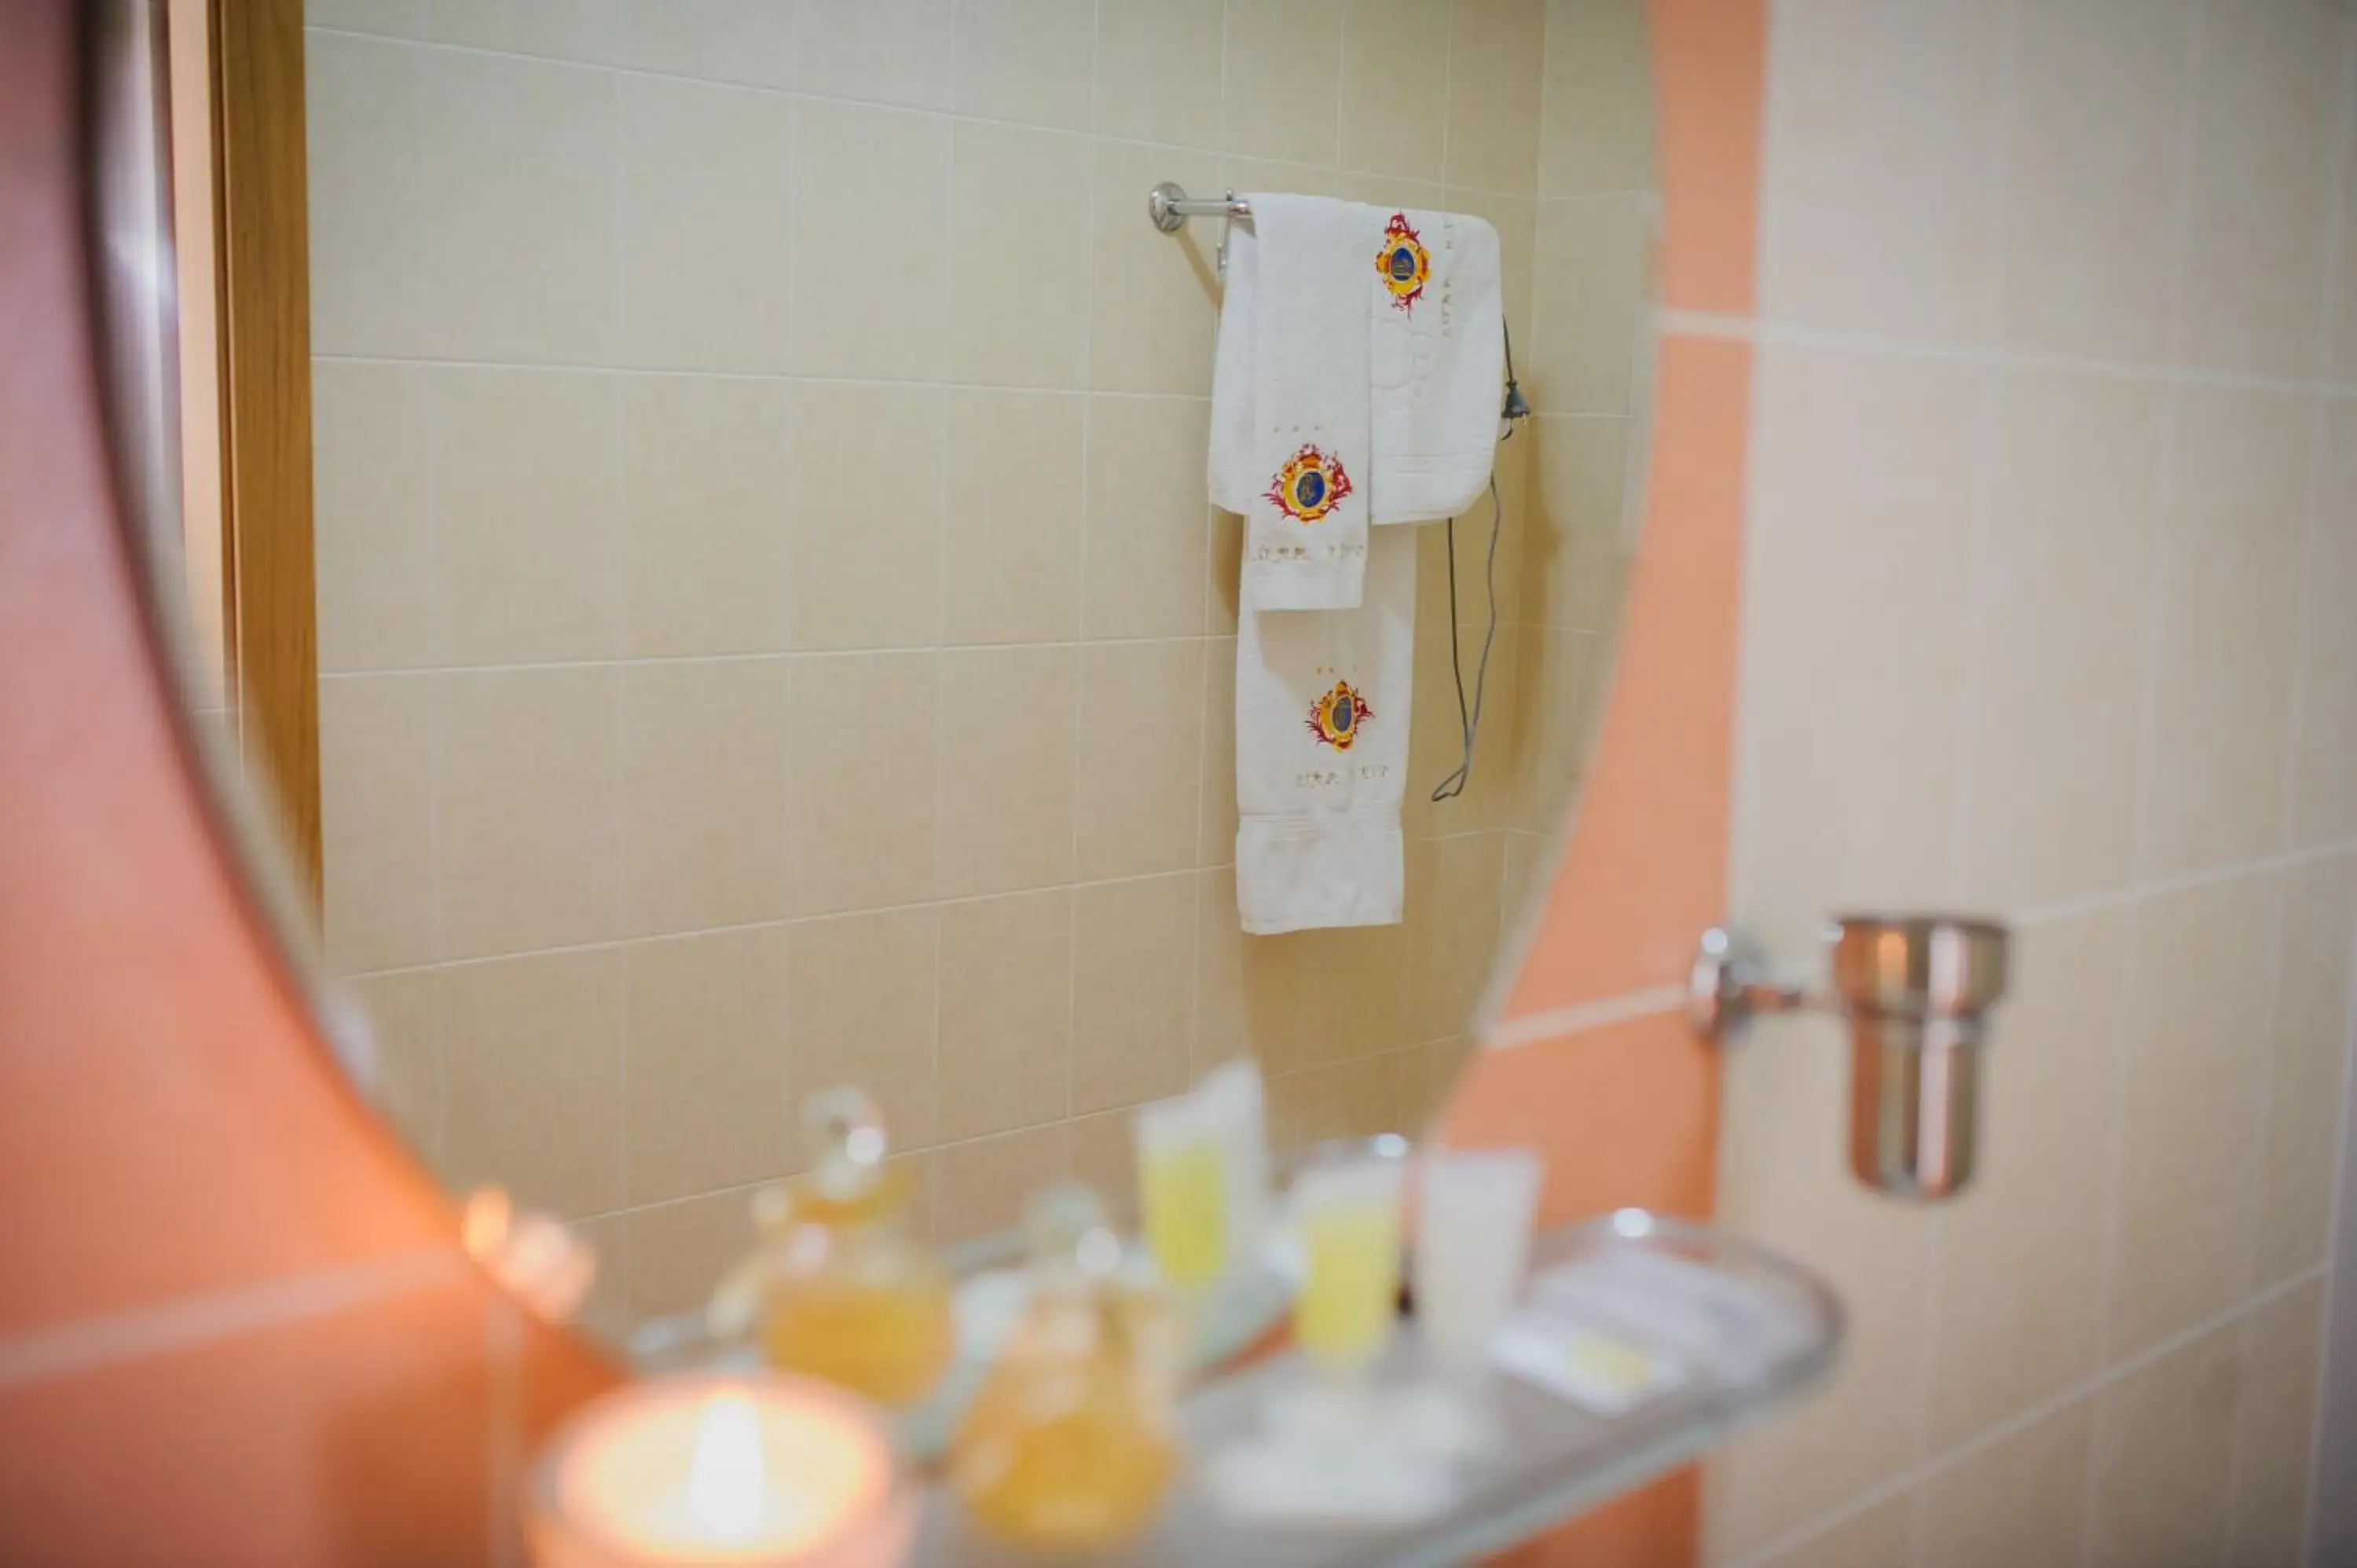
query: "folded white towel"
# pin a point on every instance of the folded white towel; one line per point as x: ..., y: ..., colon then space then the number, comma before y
x: 1322, y: 715
x: 1291, y: 399
x: 1438, y: 365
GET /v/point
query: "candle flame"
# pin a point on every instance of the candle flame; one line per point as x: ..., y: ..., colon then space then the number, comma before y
x: 724, y: 1483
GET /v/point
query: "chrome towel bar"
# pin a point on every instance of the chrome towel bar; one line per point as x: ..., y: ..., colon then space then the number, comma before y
x: 1169, y: 206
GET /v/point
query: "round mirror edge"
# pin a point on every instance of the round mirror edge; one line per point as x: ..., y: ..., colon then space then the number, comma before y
x: 236, y: 810
x: 1519, y: 932
x: 235, y: 813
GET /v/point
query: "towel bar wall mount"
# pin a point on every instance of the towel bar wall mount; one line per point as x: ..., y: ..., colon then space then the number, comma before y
x: 1170, y: 207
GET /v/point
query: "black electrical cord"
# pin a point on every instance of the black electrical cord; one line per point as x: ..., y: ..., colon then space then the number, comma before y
x: 1468, y: 715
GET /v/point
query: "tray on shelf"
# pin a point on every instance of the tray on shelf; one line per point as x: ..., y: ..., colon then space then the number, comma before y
x: 1747, y: 1330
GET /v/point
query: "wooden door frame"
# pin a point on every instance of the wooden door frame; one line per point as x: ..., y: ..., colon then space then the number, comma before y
x: 262, y: 301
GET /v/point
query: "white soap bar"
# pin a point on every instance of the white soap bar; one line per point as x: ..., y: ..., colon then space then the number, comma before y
x: 1711, y: 1321
x: 1601, y: 1373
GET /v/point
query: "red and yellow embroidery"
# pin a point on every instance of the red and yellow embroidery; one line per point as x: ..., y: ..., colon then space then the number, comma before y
x: 1309, y: 486
x: 1404, y: 265
x: 1335, y: 717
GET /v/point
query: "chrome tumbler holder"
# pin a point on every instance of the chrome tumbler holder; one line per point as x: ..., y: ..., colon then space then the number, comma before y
x: 1915, y: 991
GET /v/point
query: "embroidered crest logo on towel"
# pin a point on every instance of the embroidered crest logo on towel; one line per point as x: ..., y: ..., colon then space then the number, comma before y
x: 1404, y: 265
x: 1309, y: 486
x: 1335, y: 717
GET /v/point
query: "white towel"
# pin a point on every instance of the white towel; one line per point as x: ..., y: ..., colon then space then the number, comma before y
x: 1327, y: 304
x: 1322, y: 716
x: 1438, y: 365
x: 1436, y: 358
x: 1233, y: 445
x: 1292, y: 402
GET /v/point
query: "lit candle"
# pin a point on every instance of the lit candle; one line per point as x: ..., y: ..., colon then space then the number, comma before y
x: 720, y: 1470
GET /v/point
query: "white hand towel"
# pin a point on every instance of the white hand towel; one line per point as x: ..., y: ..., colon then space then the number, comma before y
x: 1233, y: 445
x: 1293, y: 459
x: 1322, y: 714
x: 1437, y: 364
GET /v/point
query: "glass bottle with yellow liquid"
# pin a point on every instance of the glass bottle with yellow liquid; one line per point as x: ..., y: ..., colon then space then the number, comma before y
x: 1070, y: 1445
x: 837, y: 1288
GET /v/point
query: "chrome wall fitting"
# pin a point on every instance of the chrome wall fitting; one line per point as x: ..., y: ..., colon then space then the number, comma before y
x: 1729, y: 984
x: 1170, y: 207
x: 1915, y: 991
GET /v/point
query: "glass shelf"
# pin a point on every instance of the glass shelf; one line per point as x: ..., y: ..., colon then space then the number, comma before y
x: 1748, y: 1331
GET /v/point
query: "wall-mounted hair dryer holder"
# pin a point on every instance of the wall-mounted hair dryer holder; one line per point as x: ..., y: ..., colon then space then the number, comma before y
x: 1915, y: 991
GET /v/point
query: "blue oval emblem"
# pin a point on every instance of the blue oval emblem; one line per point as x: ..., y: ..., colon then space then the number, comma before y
x: 1310, y: 489
x: 1346, y: 713
x: 1403, y: 263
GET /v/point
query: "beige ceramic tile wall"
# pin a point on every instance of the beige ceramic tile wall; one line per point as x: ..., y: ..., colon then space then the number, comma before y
x: 772, y: 628
x: 2051, y: 545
